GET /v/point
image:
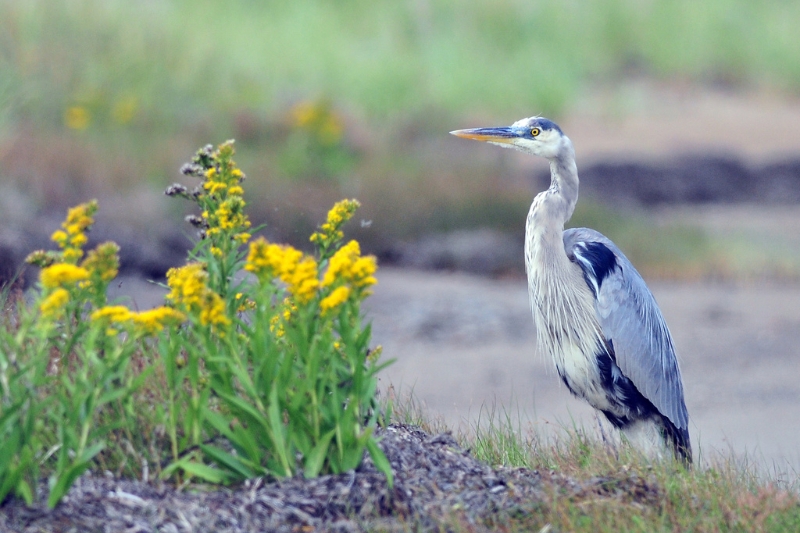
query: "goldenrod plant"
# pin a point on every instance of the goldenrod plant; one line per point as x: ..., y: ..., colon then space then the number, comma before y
x: 65, y: 373
x: 258, y: 364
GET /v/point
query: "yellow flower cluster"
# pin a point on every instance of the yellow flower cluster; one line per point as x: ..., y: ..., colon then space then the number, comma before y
x: 279, y: 320
x: 156, y: 319
x: 72, y: 235
x: 375, y: 354
x: 289, y: 308
x: 331, y: 230
x: 124, y: 109
x: 228, y: 216
x: 336, y: 298
x: 212, y: 312
x: 61, y: 277
x: 348, y: 266
x: 53, y: 306
x: 77, y: 117
x: 61, y: 274
x: 211, y: 185
x: 224, y: 204
x: 103, y: 261
x: 189, y: 292
x: 99, y: 267
x: 276, y: 327
x: 244, y: 304
x: 318, y: 119
x: 187, y: 284
x: 112, y: 313
x: 268, y: 261
x: 348, y: 272
x: 145, y: 322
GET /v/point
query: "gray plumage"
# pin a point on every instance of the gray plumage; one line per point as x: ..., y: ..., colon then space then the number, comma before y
x: 593, y: 312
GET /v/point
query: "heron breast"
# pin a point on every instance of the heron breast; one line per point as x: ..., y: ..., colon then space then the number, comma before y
x: 568, y: 330
x: 581, y: 374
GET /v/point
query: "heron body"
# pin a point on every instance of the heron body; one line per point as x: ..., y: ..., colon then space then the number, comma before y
x: 593, y: 312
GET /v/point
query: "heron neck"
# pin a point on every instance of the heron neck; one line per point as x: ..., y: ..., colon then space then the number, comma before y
x: 550, y: 210
x: 564, y: 182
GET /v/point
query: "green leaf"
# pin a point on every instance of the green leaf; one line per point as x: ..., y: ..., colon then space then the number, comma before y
x: 89, y: 453
x: 11, y: 411
x: 363, y: 338
x: 378, y: 367
x: 220, y: 423
x: 316, y: 458
x: 380, y: 460
x: 112, y: 395
x: 139, y: 380
x: 24, y: 491
x: 233, y: 464
x: 64, y: 481
x: 240, y: 405
x: 244, y: 408
x: 167, y: 472
x: 11, y: 479
x: 277, y: 431
x: 208, y: 473
x: 10, y: 446
x: 244, y: 380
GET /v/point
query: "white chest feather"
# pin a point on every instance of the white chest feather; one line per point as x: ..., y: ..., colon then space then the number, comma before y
x: 563, y: 310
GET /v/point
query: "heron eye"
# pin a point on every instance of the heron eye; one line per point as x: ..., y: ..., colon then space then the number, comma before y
x: 535, y: 131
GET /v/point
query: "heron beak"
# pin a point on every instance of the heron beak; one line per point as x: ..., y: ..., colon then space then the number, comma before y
x: 492, y: 135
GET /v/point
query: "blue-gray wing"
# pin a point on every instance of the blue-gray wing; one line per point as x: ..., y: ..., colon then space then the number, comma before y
x: 631, y: 321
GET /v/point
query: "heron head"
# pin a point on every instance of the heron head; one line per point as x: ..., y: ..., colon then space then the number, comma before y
x: 534, y: 135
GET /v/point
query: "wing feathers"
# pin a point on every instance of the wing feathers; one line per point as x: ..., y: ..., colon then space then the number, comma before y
x: 631, y: 319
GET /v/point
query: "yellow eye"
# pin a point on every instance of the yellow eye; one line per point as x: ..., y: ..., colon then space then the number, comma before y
x: 535, y: 131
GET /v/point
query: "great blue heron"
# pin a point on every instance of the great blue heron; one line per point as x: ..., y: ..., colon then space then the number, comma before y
x: 592, y: 310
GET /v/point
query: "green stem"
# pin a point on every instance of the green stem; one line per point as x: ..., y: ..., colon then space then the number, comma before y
x: 173, y: 433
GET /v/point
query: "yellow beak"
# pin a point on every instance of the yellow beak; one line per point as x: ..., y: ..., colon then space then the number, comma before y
x: 494, y: 135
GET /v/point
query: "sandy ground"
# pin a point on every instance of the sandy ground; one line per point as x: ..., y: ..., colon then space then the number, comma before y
x: 643, y: 119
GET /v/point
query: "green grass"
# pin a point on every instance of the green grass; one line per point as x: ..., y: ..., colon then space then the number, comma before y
x: 184, y: 64
x: 381, y: 58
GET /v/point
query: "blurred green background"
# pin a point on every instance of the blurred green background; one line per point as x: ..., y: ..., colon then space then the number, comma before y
x: 106, y: 98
